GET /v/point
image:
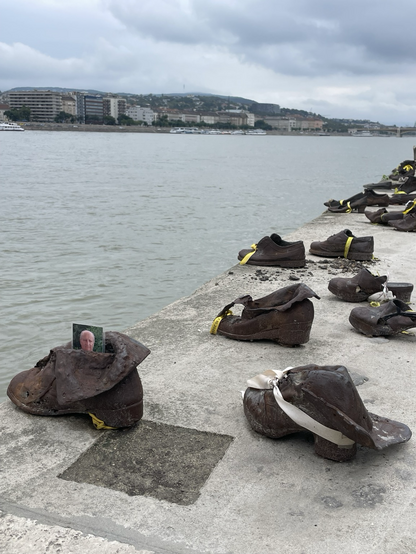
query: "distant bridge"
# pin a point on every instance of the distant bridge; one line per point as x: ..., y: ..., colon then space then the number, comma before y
x: 399, y: 131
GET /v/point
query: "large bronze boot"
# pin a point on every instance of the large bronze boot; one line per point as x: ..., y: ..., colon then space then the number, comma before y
x: 324, y: 401
x: 284, y: 316
x: 104, y: 385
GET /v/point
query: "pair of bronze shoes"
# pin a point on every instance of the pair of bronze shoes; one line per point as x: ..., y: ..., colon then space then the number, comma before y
x: 358, y: 202
x: 390, y: 317
x: 274, y: 251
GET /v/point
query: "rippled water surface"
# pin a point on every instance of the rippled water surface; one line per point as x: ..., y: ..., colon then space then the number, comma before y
x: 107, y: 229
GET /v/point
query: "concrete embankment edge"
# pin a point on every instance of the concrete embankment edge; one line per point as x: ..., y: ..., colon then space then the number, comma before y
x: 264, y: 495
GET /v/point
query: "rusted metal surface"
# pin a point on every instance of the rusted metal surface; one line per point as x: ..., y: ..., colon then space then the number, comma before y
x: 329, y: 396
x: 77, y: 381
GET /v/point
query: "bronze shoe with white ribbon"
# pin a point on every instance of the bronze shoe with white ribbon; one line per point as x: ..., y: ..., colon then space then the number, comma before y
x: 324, y: 401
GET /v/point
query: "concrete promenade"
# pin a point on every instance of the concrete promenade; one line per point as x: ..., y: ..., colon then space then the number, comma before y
x: 259, y: 495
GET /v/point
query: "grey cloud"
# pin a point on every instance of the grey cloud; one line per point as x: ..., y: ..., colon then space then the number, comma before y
x: 293, y: 37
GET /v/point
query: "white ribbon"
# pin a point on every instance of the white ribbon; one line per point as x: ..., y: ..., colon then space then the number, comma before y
x: 270, y: 380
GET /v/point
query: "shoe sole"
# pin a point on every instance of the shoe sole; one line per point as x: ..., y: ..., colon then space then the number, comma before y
x: 289, y: 263
x: 123, y: 417
x: 359, y: 256
x: 286, y: 335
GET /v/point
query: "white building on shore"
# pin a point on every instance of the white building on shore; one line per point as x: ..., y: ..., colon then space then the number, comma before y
x: 141, y: 114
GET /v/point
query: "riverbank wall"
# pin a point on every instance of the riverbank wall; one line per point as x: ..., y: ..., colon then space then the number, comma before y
x: 70, y: 127
x: 212, y: 484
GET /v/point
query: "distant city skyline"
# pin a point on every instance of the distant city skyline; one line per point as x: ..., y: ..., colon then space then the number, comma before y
x: 342, y: 60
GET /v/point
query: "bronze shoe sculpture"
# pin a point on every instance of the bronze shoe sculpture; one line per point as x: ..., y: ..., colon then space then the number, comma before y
x: 358, y: 202
x: 104, y: 385
x: 357, y: 288
x: 401, y: 199
x: 408, y: 185
x: 382, y: 216
x: 284, y: 316
x: 338, y: 203
x: 406, y: 224
x: 323, y: 400
x: 390, y: 318
x: 274, y: 251
x: 344, y: 245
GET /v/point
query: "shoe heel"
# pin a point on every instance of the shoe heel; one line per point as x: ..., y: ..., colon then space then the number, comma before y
x: 362, y: 208
x: 293, y: 335
x: 334, y: 452
x: 123, y: 417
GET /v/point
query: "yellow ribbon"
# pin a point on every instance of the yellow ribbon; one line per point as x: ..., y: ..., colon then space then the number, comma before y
x: 248, y: 256
x: 98, y: 423
x: 349, y: 210
x: 217, y: 321
x: 408, y: 167
x: 347, y: 246
x: 397, y: 191
x: 341, y: 202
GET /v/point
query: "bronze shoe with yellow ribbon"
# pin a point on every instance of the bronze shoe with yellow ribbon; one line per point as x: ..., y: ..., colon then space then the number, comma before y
x: 344, y: 245
x: 323, y: 400
x: 358, y: 202
x: 284, y: 316
x: 388, y: 319
x: 274, y: 251
x: 104, y: 385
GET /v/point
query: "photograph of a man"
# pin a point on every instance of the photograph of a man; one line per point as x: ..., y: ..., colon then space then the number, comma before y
x: 89, y: 338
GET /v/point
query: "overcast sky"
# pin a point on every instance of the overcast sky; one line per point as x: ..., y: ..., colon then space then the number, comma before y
x: 351, y: 59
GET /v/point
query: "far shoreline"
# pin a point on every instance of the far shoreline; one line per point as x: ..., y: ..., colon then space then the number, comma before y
x: 82, y: 128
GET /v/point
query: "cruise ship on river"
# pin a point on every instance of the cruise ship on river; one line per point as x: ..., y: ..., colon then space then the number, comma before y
x: 10, y: 127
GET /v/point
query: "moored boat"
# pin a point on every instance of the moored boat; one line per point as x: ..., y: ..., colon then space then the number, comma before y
x: 5, y: 126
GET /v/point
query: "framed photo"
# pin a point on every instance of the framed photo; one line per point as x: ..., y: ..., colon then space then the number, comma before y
x: 87, y: 337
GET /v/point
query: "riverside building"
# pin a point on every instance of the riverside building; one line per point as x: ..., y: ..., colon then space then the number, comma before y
x: 44, y: 105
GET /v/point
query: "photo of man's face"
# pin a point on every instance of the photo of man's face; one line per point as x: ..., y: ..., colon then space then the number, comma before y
x: 87, y: 340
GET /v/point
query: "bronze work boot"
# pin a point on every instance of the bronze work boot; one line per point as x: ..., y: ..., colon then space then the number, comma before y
x: 284, y: 316
x: 390, y: 318
x: 104, y: 385
x: 274, y: 251
x: 357, y: 288
x: 323, y: 400
x: 344, y: 245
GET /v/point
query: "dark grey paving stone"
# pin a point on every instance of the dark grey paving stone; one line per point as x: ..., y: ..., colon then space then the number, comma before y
x: 152, y: 459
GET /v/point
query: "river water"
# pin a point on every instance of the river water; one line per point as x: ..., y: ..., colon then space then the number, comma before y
x: 107, y: 228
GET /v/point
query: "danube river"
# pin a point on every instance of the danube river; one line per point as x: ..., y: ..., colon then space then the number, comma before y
x: 106, y: 229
